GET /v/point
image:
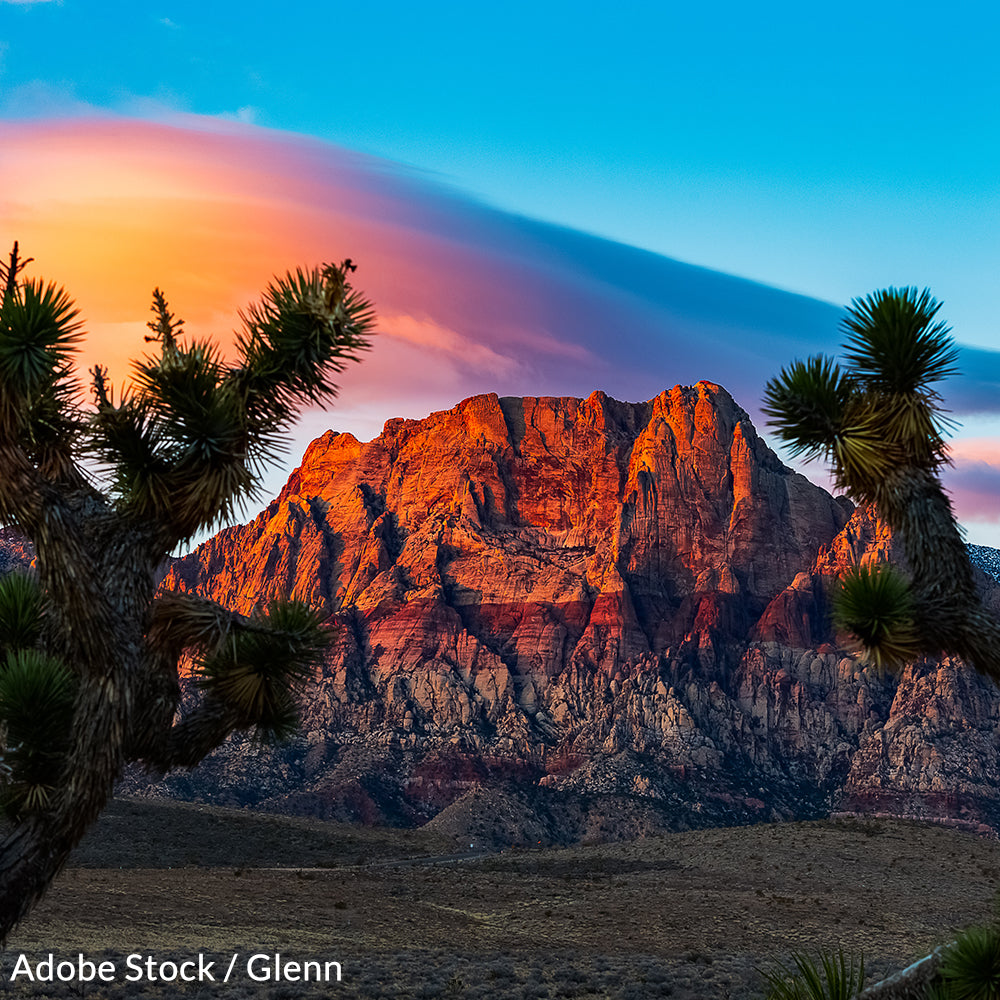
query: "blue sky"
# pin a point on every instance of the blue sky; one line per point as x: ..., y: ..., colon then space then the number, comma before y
x: 824, y: 151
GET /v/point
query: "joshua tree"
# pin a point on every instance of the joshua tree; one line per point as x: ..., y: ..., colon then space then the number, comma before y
x: 89, y: 649
x: 878, y: 421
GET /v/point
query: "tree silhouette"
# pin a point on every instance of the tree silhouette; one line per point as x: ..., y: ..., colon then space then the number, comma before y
x: 879, y: 422
x: 89, y: 649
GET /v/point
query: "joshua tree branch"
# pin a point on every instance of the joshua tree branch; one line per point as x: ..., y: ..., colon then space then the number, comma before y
x: 195, y: 736
x: 181, y: 450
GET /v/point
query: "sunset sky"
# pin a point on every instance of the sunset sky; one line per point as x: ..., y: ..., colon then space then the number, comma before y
x: 543, y: 198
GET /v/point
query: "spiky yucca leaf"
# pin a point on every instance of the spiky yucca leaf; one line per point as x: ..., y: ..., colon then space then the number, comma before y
x: 861, y: 455
x: 21, y: 605
x: 39, y: 331
x: 913, y: 427
x: 37, y: 694
x: 807, y: 404
x: 258, y: 669
x: 970, y: 967
x: 200, y: 419
x: 305, y: 329
x: 893, y: 343
x: 127, y: 440
x: 875, y: 604
x: 36, y: 699
x: 183, y: 620
x: 935, y: 990
x: 833, y: 977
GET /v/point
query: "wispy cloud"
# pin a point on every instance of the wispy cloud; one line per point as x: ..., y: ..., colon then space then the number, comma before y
x: 247, y: 114
x: 36, y: 99
x: 463, y: 350
x: 44, y: 101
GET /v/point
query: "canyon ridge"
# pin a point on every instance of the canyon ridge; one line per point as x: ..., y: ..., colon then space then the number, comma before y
x: 560, y: 619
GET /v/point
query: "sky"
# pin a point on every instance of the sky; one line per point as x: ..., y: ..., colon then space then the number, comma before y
x: 544, y: 198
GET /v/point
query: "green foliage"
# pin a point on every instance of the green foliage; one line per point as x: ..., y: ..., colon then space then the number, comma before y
x: 184, y: 446
x: 187, y: 444
x: 833, y: 977
x: 37, y: 694
x: 894, y: 346
x: 21, y: 607
x: 36, y: 698
x: 877, y: 412
x: 820, y: 412
x: 970, y: 967
x: 305, y: 329
x: 257, y: 669
x: 194, y: 428
x: 39, y: 330
x: 875, y: 603
x: 878, y: 420
x: 809, y: 403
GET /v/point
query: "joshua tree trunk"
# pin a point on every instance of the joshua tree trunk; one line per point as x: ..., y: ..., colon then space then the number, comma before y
x: 89, y: 677
x: 947, y: 611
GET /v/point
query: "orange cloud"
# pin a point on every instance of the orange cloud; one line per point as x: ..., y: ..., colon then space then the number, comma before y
x: 210, y: 211
x: 470, y: 299
x: 112, y: 209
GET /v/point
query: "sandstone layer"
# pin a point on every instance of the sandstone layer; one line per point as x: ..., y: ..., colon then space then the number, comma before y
x: 559, y: 618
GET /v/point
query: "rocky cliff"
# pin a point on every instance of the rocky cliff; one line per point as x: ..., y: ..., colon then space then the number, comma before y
x: 562, y: 618
x: 16, y: 552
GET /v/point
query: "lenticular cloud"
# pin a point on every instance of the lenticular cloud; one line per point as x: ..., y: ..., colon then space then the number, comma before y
x: 470, y: 298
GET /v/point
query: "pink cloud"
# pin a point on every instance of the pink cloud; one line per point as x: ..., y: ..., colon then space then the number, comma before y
x: 470, y: 299
x: 975, y: 488
x: 114, y: 208
x: 975, y: 450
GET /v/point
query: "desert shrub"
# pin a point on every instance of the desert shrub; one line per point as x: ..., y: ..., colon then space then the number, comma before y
x: 832, y: 977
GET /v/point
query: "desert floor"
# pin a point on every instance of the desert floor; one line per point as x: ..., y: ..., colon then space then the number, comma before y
x: 689, y: 915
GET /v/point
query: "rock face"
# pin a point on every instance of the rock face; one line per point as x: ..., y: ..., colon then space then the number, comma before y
x: 16, y: 552
x: 610, y: 616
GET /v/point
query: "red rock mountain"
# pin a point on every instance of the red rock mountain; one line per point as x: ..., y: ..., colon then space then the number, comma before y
x: 568, y: 618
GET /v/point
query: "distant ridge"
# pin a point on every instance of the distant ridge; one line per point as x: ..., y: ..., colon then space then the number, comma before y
x: 986, y: 558
x: 584, y: 619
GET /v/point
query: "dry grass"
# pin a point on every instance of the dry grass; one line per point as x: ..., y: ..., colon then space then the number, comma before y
x: 687, y: 915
